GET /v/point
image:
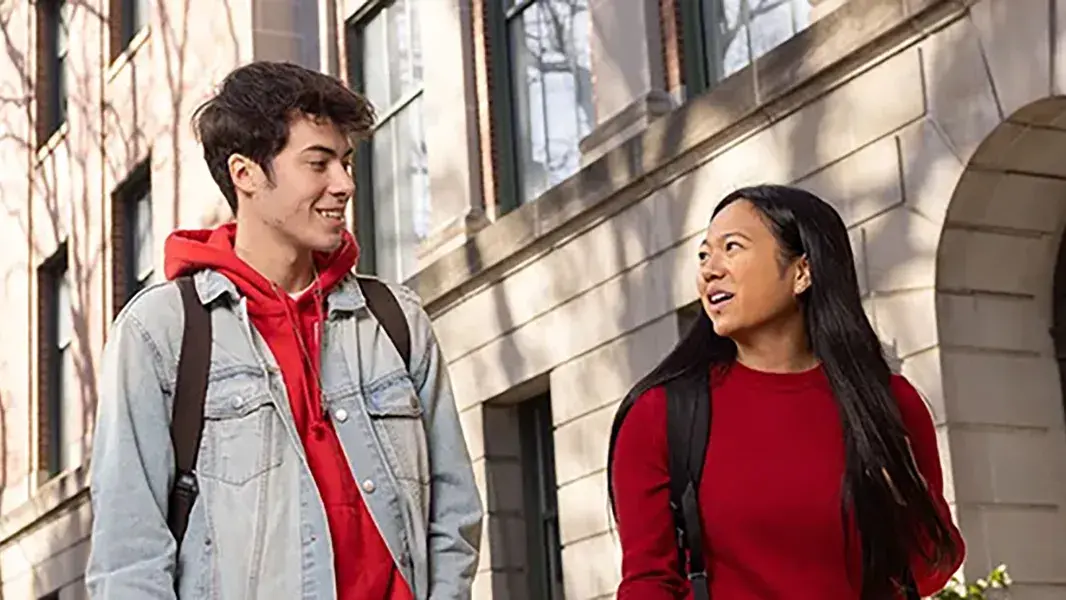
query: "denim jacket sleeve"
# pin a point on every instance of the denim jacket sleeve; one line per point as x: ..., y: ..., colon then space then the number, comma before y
x: 456, y: 511
x: 132, y: 552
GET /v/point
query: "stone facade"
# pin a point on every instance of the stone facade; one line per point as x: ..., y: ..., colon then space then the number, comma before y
x: 936, y: 127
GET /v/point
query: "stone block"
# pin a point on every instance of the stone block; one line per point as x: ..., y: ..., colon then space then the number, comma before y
x: 959, y: 92
x: 584, y: 508
x: 581, y: 445
x: 1027, y: 539
x: 907, y: 321
x: 862, y: 185
x: 1002, y: 389
x: 834, y: 125
x: 605, y: 374
x: 1009, y: 466
x: 473, y: 423
x: 992, y: 322
x: 592, y: 568
x: 900, y: 251
x: 930, y: 168
x: 1009, y: 200
x: 996, y: 262
x: 1016, y: 48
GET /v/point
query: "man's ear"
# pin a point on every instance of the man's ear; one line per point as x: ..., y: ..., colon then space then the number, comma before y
x: 245, y: 173
x: 803, y: 276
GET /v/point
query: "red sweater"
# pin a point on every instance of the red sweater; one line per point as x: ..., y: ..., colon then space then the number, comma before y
x: 364, y: 567
x: 769, y: 495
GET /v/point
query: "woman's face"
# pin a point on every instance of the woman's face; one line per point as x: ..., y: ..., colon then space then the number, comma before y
x: 742, y: 283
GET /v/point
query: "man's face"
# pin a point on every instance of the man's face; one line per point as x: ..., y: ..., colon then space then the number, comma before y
x: 312, y: 184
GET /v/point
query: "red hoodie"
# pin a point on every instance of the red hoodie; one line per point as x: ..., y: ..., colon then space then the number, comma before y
x: 365, y: 570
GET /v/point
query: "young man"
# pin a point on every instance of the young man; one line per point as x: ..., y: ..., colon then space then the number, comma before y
x: 327, y: 468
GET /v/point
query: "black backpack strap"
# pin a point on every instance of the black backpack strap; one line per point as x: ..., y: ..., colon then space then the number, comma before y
x: 187, y: 421
x: 387, y: 310
x: 688, y: 427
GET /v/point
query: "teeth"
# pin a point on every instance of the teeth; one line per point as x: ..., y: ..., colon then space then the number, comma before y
x: 332, y: 214
x: 720, y: 297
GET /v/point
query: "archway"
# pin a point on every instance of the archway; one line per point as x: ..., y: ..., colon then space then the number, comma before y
x: 1000, y: 301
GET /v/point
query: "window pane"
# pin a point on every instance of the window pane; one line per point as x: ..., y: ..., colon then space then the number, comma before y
x: 142, y: 236
x: 402, y: 208
x: 64, y: 315
x: 384, y: 181
x: 142, y: 11
x: 68, y: 426
x: 375, y: 63
x: 773, y: 22
x: 404, y: 53
x: 62, y: 25
x: 740, y: 31
x: 414, y: 171
x: 60, y: 97
x: 552, y: 91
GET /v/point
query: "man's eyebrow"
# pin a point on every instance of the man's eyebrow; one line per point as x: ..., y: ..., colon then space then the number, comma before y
x: 327, y: 150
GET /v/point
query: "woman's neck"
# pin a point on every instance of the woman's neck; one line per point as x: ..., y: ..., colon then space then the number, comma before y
x: 777, y: 348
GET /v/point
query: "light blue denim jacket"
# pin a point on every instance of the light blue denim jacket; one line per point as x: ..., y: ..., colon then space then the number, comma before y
x: 258, y: 528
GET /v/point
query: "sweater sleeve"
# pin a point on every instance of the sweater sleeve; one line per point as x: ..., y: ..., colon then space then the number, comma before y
x: 919, y: 423
x: 641, y: 484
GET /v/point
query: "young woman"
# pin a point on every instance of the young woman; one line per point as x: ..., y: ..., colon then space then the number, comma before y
x: 821, y: 479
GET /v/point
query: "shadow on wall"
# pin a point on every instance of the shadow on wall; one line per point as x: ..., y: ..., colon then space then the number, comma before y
x: 64, y: 183
x: 883, y: 172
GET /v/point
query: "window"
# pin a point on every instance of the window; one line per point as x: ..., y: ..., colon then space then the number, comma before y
x: 133, y: 246
x: 393, y: 207
x: 722, y: 37
x: 549, y: 94
x: 541, y: 510
x: 56, y: 374
x: 53, y: 20
x: 131, y: 16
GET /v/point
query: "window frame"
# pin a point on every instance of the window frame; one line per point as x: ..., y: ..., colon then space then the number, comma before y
x: 53, y: 49
x: 363, y: 157
x: 125, y: 203
x: 52, y: 274
x: 504, y: 104
x: 540, y: 492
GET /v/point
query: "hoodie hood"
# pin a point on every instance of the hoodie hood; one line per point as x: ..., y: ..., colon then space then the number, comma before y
x: 188, y: 251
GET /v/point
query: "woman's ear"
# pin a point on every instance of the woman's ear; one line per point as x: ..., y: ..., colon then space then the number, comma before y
x: 802, y: 280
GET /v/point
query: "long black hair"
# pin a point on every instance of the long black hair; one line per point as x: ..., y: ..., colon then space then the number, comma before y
x: 890, y: 528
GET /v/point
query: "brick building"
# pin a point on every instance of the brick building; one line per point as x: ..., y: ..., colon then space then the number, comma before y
x: 539, y: 175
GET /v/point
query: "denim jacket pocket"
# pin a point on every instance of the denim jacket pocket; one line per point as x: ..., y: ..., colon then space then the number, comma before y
x: 241, y: 429
x: 396, y: 414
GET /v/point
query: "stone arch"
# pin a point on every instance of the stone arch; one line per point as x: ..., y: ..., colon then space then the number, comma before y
x: 998, y: 302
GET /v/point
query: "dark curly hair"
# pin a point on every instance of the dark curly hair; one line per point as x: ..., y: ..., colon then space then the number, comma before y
x: 256, y: 103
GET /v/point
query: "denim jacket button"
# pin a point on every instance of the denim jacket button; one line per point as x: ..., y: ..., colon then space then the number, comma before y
x: 368, y: 486
x: 341, y: 415
x: 237, y: 401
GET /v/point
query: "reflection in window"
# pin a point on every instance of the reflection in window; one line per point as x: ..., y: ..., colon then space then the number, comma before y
x: 740, y: 31
x: 398, y: 214
x: 141, y: 262
x: 552, y: 87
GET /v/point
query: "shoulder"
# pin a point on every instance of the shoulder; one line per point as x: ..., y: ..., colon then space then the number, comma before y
x: 641, y: 429
x: 914, y: 409
x: 155, y: 311
x: 649, y: 407
x: 409, y: 301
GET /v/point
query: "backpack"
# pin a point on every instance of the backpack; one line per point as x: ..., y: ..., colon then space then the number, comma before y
x: 194, y: 362
x: 688, y: 428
